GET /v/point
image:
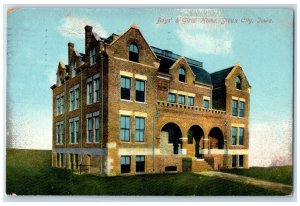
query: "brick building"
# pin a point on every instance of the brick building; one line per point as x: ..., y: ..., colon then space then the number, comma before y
x: 124, y: 107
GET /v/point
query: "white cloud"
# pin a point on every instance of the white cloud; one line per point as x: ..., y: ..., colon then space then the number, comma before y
x: 73, y: 27
x: 207, y: 38
x: 201, y: 42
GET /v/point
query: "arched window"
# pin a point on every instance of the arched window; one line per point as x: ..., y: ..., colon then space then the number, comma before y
x: 238, y: 83
x: 181, y: 75
x: 133, y: 52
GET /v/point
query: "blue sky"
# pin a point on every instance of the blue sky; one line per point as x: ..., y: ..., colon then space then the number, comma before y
x: 37, y: 39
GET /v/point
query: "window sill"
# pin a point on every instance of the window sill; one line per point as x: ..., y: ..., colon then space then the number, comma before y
x: 140, y: 173
x: 73, y: 143
x: 140, y: 102
x: 140, y: 142
x: 73, y: 110
x: 126, y: 100
x: 182, y: 82
x: 59, y: 144
x: 122, y: 141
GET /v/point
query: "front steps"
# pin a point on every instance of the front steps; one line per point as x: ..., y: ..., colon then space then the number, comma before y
x: 199, y: 165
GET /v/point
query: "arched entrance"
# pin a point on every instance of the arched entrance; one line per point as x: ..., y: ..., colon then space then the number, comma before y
x: 195, y: 135
x: 216, y: 138
x: 174, y: 136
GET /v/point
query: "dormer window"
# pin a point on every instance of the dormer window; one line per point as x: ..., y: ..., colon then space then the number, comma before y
x: 181, y: 75
x: 73, y: 69
x: 93, y: 56
x: 238, y: 83
x: 133, y: 52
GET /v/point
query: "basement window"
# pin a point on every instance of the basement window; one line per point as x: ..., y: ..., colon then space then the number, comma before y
x: 233, y: 160
x: 140, y: 164
x: 125, y: 164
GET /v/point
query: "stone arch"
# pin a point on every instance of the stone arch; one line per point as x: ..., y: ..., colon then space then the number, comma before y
x: 196, y: 137
x: 216, y: 138
x: 174, y: 135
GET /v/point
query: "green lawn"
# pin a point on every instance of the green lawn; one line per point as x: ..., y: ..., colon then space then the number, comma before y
x: 283, y: 174
x: 29, y: 172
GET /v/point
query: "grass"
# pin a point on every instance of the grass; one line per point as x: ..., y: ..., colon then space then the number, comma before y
x: 282, y: 174
x: 29, y: 172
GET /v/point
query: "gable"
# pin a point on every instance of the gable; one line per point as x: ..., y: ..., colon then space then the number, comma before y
x: 237, y: 71
x: 61, y: 69
x: 119, y: 47
x: 182, y: 63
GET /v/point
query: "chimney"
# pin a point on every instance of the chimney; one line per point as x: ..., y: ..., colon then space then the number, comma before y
x: 70, y: 52
x: 88, y: 38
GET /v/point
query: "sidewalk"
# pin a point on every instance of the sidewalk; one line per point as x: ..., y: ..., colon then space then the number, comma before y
x: 286, y: 189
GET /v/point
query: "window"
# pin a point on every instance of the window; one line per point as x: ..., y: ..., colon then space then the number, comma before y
x: 206, y: 103
x: 233, y: 160
x: 140, y: 91
x: 96, y: 129
x: 59, y: 159
x: 181, y: 72
x: 89, y: 129
x: 89, y: 92
x: 59, y: 132
x: 57, y: 105
x: 241, y: 160
x: 233, y: 135
x: 76, y: 161
x: 125, y: 128
x: 241, y: 136
x: 140, y: 164
x: 76, y: 132
x: 72, y: 135
x: 125, y: 88
x: 172, y: 98
x: 60, y: 104
x: 96, y: 90
x: 93, y: 56
x: 73, y: 68
x: 76, y: 98
x: 125, y: 164
x: 133, y: 52
x: 234, y: 106
x: 181, y: 99
x: 242, y: 109
x: 191, y: 101
x: 139, y: 129
x: 72, y: 100
x: 238, y: 84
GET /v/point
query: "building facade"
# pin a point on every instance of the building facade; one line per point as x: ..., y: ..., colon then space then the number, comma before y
x: 124, y: 107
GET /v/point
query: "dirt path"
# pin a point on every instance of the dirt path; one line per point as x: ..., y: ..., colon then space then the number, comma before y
x: 286, y: 189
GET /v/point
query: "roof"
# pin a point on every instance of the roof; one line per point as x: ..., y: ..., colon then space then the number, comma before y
x: 168, y: 58
x: 218, y: 78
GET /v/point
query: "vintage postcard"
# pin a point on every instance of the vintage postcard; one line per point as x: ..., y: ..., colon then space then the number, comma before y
x: 149, y: 101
